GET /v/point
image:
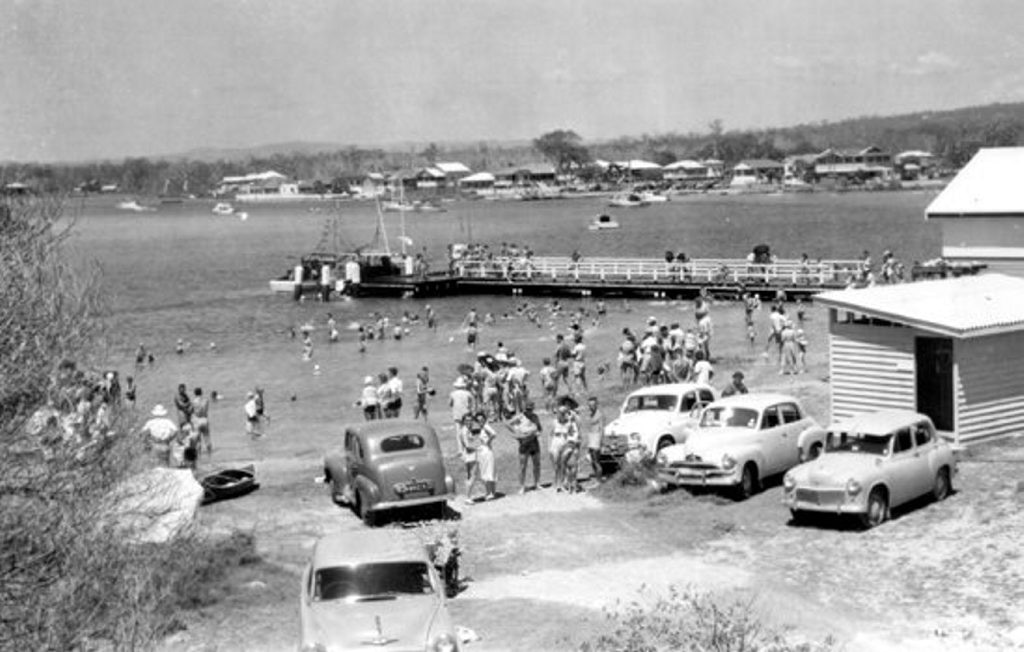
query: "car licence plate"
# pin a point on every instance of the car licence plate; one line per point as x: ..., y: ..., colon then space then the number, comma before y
x: 406, y: 489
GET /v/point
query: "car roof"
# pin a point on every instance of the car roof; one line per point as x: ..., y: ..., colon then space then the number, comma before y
x: 756, y: 400
x: 880, y: 423
x: 669, y: 388
x: 381, y: 428
x: 367, y: 547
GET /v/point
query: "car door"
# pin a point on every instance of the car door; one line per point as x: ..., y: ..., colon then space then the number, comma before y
x: 902, y: 467
x: 771, y: 441
x: 926, y: 457
x: 792, y: 425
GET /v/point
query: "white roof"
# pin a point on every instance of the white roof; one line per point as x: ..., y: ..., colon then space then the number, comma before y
x: 452, y: 167
x: 685, y: 164
x: 637, y: 164
x: 969, y: 306
x: 479, y: 177
x: 255, y: 176
x: 990, y: 184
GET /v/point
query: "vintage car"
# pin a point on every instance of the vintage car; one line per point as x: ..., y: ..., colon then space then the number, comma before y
x: 740, y: 440
x: 872, y: 463
x: 376, y: 588
x: 654, y: 417
x: 388, y: 464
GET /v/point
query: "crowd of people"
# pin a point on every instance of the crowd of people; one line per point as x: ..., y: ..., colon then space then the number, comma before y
x: 178, y: 442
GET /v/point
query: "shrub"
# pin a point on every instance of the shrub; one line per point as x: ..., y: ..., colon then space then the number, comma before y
x: 684, y: 620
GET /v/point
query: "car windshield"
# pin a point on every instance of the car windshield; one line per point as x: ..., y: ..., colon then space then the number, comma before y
x: 728, y: 417
x: 398, y: 443
x: 650, y: 402
x: 372, y: 581
x: 858, y: 442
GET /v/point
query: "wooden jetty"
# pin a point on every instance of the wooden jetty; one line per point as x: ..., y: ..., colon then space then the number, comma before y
x: 627, y: 277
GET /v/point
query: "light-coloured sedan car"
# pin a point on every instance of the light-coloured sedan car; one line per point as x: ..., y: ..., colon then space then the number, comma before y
x: 739, y: 441
x: 375, y: 589
x: 654, y: 417
x: 871, y: 464
x: 388, y: 464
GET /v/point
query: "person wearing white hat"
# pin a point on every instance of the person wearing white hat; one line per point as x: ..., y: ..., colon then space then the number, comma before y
x: 368, y: 399
x: 460, y: 400
x: 159, y: 431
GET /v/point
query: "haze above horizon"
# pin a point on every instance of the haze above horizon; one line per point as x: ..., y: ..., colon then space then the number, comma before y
x: 117, y: 78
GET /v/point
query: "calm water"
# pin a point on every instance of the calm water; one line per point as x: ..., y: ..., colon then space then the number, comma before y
x: 184, y: 272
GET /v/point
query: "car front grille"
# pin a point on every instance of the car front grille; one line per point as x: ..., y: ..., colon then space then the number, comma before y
x: 821, y: 496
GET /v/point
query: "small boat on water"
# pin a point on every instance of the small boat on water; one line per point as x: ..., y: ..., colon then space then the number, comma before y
x: 603, y: 222
x: 229, y: 483
x: 135, y: 206
x: 631, y: 200
x: 652, y: 197
x: 223, y: 208
x: 397, y: 206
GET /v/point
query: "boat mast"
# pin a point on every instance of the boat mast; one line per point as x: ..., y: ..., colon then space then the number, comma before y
x: 381, y: 234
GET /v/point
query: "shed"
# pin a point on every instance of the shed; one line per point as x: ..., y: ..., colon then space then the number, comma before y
x: 952, y: 349
x: 981, y: 211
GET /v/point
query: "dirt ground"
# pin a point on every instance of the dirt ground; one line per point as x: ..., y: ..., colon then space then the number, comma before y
x: 542, y: 569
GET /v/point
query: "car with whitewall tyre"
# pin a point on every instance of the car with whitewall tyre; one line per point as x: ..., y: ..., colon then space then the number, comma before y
x: 873, y: 463
x: 741, y: 440
x: 652, y: 418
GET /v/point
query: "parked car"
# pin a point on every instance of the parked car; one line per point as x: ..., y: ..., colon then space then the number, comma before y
x: 739, y: 441
x: 654, y: 417
x: 871, y: 464
x: 370, y: 589
x: 388, y: 464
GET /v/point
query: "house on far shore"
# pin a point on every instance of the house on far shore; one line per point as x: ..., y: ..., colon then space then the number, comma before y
x: 453, y: 171
x: 952, y: 349
x: 479, y: 182
x: 756, y: 171
x: 863, y: 163
x: 981, y: 211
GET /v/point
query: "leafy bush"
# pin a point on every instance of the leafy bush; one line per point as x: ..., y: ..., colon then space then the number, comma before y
x: 685, y: 621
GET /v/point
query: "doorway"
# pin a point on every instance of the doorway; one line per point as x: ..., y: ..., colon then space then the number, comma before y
x: 933, y: 358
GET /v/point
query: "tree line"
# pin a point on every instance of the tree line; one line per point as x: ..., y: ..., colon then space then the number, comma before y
x: 954, y: 136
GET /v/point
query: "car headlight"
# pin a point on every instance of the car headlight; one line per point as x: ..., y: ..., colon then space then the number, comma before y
x: 662, y: 459
x: 728, y: 462
x: 443, y: 643
x: 853, y: 487
x: 788, y: 482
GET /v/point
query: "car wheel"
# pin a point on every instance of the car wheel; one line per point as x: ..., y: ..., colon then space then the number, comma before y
x: 363, y: 507
x: 877, y: 511
x: 942, y: 486
x: 748, y: 482
x: 665, y: 441
x: 814, y: 452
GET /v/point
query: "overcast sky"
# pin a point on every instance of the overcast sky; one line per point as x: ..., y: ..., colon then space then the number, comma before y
x: 113, y: 78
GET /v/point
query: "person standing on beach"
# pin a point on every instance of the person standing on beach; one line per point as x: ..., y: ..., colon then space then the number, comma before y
x: 201, y: 420
x: 395, y: 389
x: 159, y: 431
x: 130, y: 393
x: 579, y: 362
x: 485, y: 455
x: 252, y: 416
x: 702, y: 370
x: 368, y: 400
x: 468, y: 436
x: 423, y: 390
x: 789, y: 349
x: 183, y: 404
x: 431, y: 318
x: 526, y: 429
x: 461, y: 401
x: 594, y: 421
x: 307, y: 346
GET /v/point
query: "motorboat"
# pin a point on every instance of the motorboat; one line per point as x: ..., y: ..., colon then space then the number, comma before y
x: 603, y: 222
x: 134, y: 205
x: 229, y: 483
x: 652, y: 197
x: 397, y: 206
x: 223, y: 208
x: 631, y: 200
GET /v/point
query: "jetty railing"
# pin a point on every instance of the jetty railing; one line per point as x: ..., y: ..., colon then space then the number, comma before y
x: 739, y: 271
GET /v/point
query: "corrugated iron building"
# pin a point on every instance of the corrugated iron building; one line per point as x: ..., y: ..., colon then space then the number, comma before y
x: 981, y: 211
x: 952, y: 349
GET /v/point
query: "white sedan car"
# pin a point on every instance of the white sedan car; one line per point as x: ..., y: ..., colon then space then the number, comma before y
x: 373, y: 589
x: 740, y: 440
x: 654, y: 417
x: 871, y: 464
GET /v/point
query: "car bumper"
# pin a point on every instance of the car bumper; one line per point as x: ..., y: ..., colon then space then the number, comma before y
x: 411, y: 502
x: 827, y: 501
x: 699, y: 477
